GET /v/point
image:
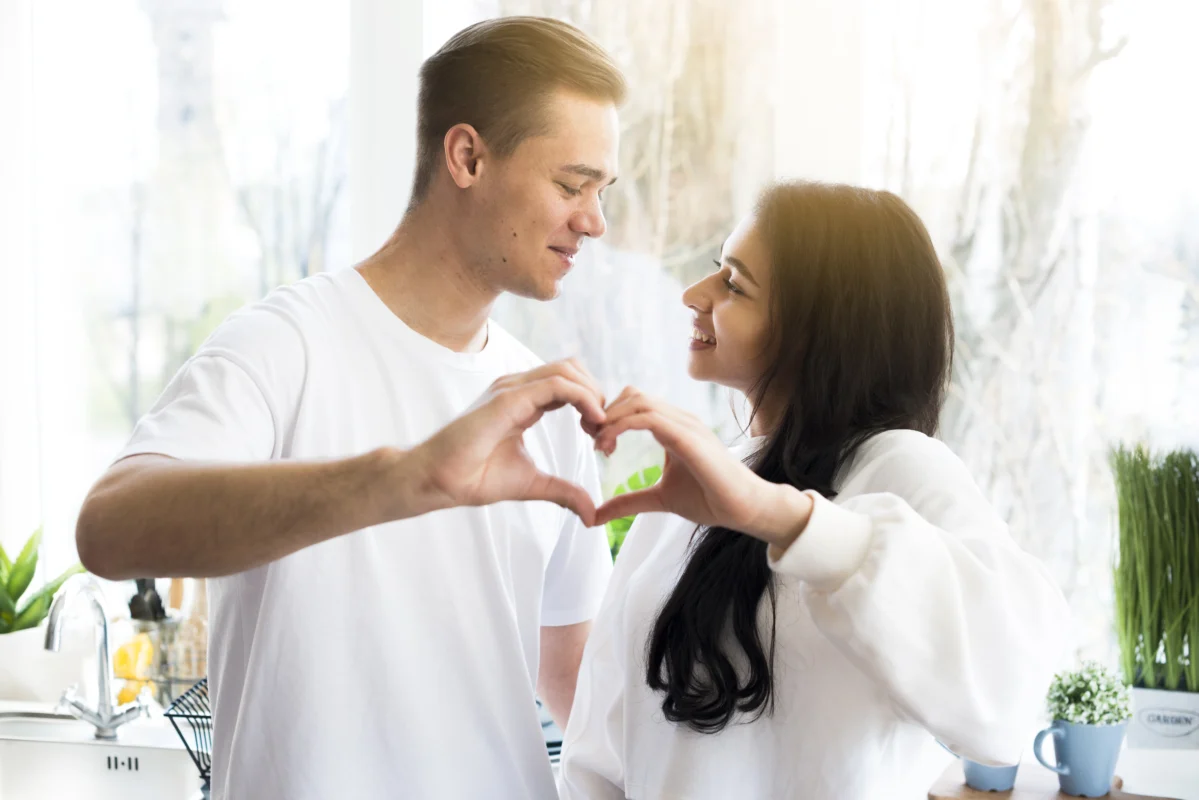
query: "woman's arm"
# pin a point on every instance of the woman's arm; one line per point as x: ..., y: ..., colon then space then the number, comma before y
x: 960, y: 627
x: 913, y: 575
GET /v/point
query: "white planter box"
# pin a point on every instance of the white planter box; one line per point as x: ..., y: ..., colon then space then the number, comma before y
x: 1164, y: 720
x: 1160, y: 773
x: 29, y: 672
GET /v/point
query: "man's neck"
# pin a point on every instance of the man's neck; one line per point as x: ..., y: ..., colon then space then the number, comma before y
x: 427, y: 283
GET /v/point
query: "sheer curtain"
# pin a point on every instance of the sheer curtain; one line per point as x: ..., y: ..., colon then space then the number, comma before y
x: 20, y: 420
x: 1043, y: 145
x: 164, y: 162
x: 161, y: 163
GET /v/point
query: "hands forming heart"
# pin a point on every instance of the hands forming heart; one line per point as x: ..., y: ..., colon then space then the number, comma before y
x: 701, y: 479
x: 480, y: 458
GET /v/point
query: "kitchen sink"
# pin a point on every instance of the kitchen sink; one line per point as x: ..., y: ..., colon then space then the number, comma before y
x: 48, y: 756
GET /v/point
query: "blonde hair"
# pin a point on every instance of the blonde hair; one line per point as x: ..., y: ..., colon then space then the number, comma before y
x: 496, y: 76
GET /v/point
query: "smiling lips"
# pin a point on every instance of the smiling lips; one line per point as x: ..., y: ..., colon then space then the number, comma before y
x: 566, y: 254
x: 701, y: 339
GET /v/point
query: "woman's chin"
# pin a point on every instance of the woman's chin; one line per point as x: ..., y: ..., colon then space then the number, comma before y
x: 700, y: 369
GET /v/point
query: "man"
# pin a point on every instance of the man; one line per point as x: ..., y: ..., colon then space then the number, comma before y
x: 335, y: 456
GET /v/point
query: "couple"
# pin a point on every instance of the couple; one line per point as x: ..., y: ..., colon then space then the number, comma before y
x: 395, y: 501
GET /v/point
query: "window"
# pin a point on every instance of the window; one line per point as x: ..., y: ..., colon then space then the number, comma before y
x: 1061, y: 193
x: 163, y: 168
x: 178, y: 160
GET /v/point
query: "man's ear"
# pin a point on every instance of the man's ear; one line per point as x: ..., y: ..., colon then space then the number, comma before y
x: 464, y: 154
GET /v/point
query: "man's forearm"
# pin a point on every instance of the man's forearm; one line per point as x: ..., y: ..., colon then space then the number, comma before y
x: 152, y: 516
x: 558, y: 672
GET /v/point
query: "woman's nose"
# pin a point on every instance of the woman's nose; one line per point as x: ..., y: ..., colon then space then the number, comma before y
x: 697, y: 297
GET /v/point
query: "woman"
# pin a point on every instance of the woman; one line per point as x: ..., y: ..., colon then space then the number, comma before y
x: 807, y: 623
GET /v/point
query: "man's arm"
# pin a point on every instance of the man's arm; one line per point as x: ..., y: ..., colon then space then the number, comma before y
x: 558, y: 668
x: 161, y: 517
x: 154, y: 515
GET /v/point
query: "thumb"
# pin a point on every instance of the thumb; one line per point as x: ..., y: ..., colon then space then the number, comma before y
x: 569, y: 495
x: 622, y: 505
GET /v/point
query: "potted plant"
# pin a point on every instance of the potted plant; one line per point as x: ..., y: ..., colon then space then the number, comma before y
x: 619, y: 528
x: 1156, y: 580
x: 1090, y: 708
x: 27, y: 670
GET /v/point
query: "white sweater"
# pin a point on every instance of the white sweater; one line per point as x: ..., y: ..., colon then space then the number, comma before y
x: 905, y: 613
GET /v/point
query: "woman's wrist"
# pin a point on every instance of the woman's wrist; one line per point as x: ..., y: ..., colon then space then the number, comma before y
x: 783, y: 514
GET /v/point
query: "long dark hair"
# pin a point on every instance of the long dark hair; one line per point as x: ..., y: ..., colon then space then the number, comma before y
x: 863, y: 333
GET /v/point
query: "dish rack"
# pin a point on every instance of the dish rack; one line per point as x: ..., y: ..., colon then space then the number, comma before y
x: 191, y: 715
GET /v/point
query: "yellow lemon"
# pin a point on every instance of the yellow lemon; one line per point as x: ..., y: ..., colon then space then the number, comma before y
x: 130, y: 691
x: 133, y: 660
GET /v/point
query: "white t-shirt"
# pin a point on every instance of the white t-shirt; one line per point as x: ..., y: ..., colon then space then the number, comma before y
x: 399, y: 660
x: 904, y: 612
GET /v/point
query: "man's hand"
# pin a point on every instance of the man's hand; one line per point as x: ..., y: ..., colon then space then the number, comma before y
x: 480, y: 458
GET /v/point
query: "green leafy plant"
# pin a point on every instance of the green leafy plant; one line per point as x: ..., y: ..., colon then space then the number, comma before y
x: 1090, y: 695
x: 1156, y: 576
x: 619, y: 528
x: 15, y: 577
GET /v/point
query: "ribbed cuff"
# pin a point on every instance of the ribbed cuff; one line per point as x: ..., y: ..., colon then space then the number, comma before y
x: 831, y: 548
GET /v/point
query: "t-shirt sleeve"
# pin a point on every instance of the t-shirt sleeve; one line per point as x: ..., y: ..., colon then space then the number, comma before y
x: 230, y: 401
x: 581, y: 563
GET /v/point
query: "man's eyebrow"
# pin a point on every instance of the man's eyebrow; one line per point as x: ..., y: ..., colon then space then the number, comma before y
x: 588, y: 172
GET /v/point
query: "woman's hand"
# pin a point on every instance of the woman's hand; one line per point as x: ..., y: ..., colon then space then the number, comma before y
x: 702, y: 481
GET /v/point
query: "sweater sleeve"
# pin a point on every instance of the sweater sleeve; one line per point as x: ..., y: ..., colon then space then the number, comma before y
x: 915, y: 578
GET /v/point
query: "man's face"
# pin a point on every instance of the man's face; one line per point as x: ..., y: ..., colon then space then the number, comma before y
x: 538, y: 205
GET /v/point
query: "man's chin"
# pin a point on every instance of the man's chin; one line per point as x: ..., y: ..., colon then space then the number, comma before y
x: 539, y: 291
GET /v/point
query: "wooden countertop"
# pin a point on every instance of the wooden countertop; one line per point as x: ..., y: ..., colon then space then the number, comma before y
x: 1033, y: 782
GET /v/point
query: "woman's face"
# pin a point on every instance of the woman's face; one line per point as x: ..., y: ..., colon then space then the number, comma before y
x: 731, y: 308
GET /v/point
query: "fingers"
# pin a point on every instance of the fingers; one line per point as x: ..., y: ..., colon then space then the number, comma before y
x: 621, y: 404
x: 571, y: 369
x: 623, y: 505
x: 575, y: 368
x: 664, y: 430
x: 630, y: 402
x: 633, y: 401
x: 530, y: 400
x: 565, y: 494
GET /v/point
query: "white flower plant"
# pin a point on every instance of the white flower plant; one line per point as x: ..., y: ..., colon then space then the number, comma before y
x: 1090, y: 695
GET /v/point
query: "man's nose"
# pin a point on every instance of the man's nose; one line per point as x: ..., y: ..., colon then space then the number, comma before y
x: 590, y: 220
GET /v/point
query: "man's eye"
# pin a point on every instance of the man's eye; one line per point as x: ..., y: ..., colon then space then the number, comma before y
x: 570, y: 190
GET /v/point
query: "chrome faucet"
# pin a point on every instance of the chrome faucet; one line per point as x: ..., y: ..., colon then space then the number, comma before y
x: 104, y: 717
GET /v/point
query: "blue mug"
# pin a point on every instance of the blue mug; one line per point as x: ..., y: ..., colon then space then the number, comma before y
x: 1086, y: 755
x: 984, y: 778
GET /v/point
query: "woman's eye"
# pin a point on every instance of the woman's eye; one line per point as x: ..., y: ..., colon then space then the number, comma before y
x: 728, y: 282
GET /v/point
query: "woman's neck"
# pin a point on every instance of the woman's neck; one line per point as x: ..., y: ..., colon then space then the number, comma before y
x: 758, y: 426
x: 763, y: 419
